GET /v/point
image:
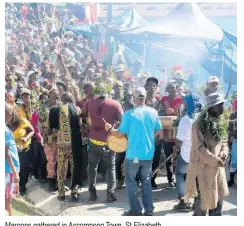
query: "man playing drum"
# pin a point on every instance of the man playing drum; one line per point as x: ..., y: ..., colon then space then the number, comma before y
x: 98, y: 109
x: 140, y: 125
x: 171, y: 105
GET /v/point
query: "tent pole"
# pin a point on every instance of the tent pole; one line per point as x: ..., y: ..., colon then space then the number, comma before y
x: 222, y: 69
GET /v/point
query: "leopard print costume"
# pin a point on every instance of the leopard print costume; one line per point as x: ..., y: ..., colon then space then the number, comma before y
x: 64, y: 148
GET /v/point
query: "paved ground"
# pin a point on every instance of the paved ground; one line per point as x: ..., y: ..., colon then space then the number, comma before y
x: 164, y: 200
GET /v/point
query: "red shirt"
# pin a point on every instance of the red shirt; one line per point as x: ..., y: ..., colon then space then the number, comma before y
x: 169, y: 103
x: 98, y: 109
x: 35, y: 123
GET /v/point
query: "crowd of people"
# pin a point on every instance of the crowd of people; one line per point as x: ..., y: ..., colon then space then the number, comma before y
x: 61, y: 105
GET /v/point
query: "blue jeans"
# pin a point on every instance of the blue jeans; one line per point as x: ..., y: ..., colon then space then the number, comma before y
x: 180, y: 174
x: 144, y: 171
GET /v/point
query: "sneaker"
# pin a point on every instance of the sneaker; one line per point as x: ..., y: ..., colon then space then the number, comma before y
x: 131, y: 213
x: 92, y: 197
x: 61, y: 197
x: 148, y: 214
x: 111, y: 198
x: 182, y: 206
x: 155, y: 186
x: 171, y: 185
x: 120, y: 183
x: 75, y: 197
x: 230, y: 183
x: 75, y: 193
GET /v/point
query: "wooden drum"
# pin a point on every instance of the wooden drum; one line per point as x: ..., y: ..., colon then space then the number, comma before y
x: 117, y: 144
x: 167, y: 121
x: 168, y: 125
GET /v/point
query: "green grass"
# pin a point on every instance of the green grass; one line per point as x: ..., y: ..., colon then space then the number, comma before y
x: 18, y: 213
x: 23, y: 208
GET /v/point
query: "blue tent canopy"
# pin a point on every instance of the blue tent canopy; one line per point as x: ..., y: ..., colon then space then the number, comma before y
x: 222, y: 59
x: 126, y: 21
x: 84, y: 29
x: 231, y: 37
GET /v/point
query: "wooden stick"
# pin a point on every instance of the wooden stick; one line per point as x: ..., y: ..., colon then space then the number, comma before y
x: 161, y: 165
x: 104, y: 120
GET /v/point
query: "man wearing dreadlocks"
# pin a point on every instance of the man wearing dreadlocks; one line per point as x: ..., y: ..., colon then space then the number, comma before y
x: 206, y: 178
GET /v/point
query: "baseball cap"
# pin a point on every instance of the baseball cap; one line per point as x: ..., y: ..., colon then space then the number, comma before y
x: 213, y: 79
x: 140, y: 93
x: 152, y: 79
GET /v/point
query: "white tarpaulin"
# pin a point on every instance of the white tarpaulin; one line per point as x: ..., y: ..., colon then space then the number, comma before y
x: 186, y: 20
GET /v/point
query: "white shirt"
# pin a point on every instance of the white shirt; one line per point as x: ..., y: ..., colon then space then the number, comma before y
x: 184, y: 135
x: 182, y: 110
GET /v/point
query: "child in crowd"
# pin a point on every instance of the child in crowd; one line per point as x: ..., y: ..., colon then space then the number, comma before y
x: 12, y: 166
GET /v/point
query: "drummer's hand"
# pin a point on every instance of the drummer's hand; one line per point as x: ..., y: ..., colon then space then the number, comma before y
x: 170, y: 111
x: 108, y: 126
x: 116, y: 125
